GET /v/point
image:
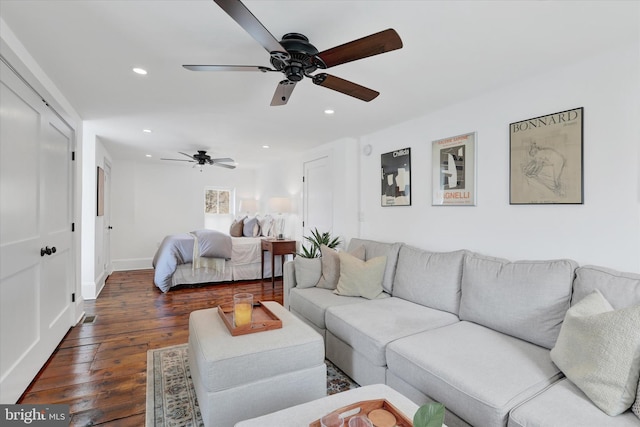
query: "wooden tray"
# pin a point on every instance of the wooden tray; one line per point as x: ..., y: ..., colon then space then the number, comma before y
x: 367, y: 406
x: 262, y: 319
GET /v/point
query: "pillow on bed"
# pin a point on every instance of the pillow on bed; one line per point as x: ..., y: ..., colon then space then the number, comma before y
x: 236, y: 228
x: 251, y: 227
x: 266, y: 226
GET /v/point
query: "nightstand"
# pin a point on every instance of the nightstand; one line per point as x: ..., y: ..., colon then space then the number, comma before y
x: 277, y: 247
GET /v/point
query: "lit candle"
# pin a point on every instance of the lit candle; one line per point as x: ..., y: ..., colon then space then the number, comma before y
x: 242, y: 309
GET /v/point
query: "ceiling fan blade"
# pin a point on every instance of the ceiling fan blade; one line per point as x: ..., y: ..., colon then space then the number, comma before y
x: 223, y: 165
x: 283, y: 93
x: 384, y: 41
x: 227, y: 68
x: 243, y: 16
x: 345, y: 86
x: 180, y: 160
x: 225, y: 159
x: 185, y: 154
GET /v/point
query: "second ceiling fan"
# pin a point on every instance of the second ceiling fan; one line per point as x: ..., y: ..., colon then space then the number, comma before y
x: 296, y: 58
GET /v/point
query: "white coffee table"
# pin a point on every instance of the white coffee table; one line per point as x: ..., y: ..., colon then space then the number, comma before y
x: 304, y: 414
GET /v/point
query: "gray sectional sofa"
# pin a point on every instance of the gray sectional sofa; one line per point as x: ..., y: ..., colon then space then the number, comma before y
x: 470, y: 331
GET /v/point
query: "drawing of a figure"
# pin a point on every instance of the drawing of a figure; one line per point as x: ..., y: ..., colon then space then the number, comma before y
x: 545, y: 167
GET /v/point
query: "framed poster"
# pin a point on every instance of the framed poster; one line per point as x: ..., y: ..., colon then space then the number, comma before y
x: 396, y: 178
x: 546, y: 159
x: 454, y: 170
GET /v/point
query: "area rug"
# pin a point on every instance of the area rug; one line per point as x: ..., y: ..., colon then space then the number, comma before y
x: 171, y: 398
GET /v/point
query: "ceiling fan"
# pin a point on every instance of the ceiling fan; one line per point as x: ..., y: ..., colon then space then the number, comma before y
x: 296, y: 58
x: 202, y: 158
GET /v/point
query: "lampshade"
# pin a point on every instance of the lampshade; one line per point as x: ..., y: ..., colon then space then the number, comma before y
x: 248, y: 205
x: 280, y: 204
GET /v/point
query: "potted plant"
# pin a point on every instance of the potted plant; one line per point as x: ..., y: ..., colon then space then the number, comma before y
x: 308, y: 265
x: 318, y: 239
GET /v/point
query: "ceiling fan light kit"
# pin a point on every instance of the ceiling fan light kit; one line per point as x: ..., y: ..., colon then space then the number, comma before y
x: 297, y: 58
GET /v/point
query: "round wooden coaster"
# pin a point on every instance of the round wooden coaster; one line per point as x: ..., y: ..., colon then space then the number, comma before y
x: 382, y: 418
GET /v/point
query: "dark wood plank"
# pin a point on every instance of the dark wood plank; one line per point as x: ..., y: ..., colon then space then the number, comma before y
x: 100, y: 368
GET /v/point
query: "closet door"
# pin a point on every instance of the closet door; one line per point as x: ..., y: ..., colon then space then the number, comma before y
x: 35, y: 214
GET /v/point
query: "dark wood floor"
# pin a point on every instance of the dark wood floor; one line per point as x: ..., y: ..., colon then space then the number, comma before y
x: 99, y: 368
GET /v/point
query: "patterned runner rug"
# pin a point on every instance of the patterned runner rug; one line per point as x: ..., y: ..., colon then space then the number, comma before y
x: 171, y: 398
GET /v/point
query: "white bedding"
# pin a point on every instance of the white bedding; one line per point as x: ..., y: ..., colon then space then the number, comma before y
x: 245, y: 264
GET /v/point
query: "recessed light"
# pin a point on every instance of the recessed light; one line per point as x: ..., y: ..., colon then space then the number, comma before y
x: 146, y: 130
x: 141, y: 71
x: 329, y: 112
x: 266, y: 146
x: 148, y: 155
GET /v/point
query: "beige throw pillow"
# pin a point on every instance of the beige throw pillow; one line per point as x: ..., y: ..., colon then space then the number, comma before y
x: 331, y: 266
x: 598, y: 349
x: 237, y: 227
x: 360, y: 278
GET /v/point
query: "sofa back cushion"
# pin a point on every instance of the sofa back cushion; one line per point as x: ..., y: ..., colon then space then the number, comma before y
x: 620, y: 289
x: 375, y: 249
x: 524, y: 299
x: 432, y: 279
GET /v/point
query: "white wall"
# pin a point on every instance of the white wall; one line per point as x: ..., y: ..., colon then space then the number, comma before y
x: 150, y: 200
x: 605, y: 230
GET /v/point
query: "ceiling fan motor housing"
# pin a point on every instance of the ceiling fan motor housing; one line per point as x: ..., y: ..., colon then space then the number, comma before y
x: 302, y: 61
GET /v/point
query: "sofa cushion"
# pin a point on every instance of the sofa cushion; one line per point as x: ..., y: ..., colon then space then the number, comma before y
x: 360, y: 278
x: 525, y: 299
x: 375, y: 249
x: 620, y: 289
x: 331, y: 265
x: 368, y: 328
x: 428, y: 278
x: 564, y: 405
x: 476, y: 372
x: 313, y: 302
x: 599, y: 351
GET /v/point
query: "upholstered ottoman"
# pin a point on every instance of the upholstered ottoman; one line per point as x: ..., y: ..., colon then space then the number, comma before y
x: 246, y: 376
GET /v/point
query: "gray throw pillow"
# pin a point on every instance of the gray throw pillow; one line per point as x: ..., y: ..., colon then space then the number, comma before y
x: 636, y: 405
x: 251, y: 227
x: 308, y: 271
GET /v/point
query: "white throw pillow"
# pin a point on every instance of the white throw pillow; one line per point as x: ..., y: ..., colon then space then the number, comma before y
x: 308, y: 271
x: 598, y: 349
x: 360, y: 278
x: 331, y: 266
x: 266, y: 226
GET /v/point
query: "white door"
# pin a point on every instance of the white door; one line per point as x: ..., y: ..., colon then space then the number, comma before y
x: 317, y: 196
x: 106, y: 248
x: 36, y: 280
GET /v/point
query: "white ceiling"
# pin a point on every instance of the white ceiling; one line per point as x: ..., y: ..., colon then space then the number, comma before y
x: 453, y: 50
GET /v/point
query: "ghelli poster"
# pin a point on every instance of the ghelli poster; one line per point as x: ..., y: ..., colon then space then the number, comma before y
x: 454, y: 170
x: 546, y: 159
x: 396, y: 178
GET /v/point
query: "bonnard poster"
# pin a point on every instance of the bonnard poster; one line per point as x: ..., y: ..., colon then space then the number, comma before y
x: 546, y: 159
x: 454, y: 170
x: 396, y: 178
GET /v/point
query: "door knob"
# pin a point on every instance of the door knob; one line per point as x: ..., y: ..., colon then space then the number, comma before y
x: 47, y: 250
x: 110, y: 227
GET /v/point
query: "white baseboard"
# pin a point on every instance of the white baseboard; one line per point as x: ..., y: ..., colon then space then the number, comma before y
x: 132, y: 264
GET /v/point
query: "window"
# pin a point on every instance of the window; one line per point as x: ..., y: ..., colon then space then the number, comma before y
x: 218, y: 201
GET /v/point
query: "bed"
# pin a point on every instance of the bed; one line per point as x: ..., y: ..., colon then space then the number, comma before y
x: 208, y: 256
